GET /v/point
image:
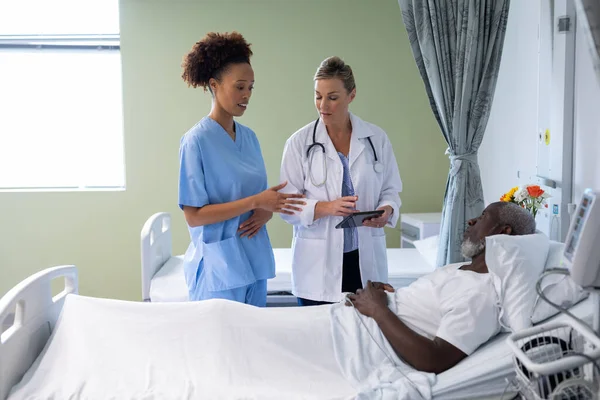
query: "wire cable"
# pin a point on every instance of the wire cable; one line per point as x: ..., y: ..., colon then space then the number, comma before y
x: 390, y: 358
x: 540, y: 292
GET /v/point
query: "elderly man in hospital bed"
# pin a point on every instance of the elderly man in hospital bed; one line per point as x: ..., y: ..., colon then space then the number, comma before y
x: 444, y: 316
x: 376, y: 344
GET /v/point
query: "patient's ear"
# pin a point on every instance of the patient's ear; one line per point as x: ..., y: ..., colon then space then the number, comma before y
x: 507, y: 230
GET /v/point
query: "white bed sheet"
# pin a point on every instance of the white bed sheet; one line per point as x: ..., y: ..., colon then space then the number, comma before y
x: 214, y: 349
x: 96, y: 339
x: 168, y: 284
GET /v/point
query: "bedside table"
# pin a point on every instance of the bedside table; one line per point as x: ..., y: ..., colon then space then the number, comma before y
x: 418, y: 226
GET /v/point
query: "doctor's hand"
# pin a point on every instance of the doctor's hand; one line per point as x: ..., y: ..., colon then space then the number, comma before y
x: 380, y: 221
x: 257, y: 220
x: 285, y: 203
x: 369, y: 301
x: 340, y: 208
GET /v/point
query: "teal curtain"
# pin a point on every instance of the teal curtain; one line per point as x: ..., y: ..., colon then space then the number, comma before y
x: 589, y: 12
x: 457, y: 45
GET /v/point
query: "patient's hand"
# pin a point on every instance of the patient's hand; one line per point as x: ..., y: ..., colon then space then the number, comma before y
x: 383, y: 286
x: 370, y: 300
x: 257, y: 220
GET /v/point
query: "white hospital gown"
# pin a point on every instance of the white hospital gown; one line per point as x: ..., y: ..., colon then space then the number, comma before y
x: 461, y: 307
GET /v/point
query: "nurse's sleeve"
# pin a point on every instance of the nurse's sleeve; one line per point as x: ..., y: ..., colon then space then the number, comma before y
x: 192, y: 189
x: 292, y: 171
x: 392, y: 184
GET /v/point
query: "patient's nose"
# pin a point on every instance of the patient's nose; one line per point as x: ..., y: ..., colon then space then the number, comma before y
x: 472, y: 221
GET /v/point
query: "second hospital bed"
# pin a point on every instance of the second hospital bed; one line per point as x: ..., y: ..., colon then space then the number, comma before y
x: 163, y: 279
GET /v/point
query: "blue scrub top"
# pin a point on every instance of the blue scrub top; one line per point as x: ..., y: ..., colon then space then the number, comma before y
x: 215, y: 169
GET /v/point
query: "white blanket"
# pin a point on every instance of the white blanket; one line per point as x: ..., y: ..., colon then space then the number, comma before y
x: 216, y: 349
x: 369, y: 362
x: 109, y: 349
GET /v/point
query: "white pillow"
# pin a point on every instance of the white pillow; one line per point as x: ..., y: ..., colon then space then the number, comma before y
x: 559, y: 289
x: 428, y: 248
x: 517, y: 262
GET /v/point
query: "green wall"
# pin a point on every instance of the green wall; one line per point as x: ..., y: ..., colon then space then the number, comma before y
x: 99, y: 231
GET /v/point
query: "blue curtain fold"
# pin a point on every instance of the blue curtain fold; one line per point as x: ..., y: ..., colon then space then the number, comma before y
x: 589, y: 12
x: 457, y: 45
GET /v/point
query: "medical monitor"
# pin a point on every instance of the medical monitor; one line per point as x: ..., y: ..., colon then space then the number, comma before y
x: 582, y: 246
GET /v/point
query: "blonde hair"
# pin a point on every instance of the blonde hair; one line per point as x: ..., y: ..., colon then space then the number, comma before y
x: 335, y: 67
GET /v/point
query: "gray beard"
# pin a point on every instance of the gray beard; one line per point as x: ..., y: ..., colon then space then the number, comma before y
x: 470, y: 249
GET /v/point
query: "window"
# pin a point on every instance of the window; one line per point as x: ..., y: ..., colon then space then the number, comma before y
x: 61, y: 124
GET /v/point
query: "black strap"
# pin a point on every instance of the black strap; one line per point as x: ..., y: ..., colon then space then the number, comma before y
x: 544, y: 340
x: 373, y: 148
x: 314, y: 141
x: 315, y: 131
x: 546, y: 384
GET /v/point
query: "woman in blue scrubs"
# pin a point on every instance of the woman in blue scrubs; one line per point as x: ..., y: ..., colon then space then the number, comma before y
x: 223, y: 181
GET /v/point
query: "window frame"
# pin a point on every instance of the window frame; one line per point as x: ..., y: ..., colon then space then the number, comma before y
x: 79, y: 42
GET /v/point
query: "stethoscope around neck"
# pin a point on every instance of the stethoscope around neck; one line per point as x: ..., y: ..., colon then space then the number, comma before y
x: 376, y: 165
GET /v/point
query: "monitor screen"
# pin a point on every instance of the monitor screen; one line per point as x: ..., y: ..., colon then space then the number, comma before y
x: 582, y: 252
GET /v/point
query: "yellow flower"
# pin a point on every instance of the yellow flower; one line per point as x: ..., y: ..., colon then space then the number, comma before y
x: 510, y: 195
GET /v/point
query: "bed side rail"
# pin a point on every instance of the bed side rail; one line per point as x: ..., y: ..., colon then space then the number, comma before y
x: 156, y: 248
x: 28, y: 314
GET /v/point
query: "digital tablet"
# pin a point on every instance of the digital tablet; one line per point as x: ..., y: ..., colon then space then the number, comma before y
x: 355, y: 220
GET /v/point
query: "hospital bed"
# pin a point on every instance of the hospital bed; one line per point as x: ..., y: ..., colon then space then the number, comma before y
x: 163, y: 279
x: 34, y: 311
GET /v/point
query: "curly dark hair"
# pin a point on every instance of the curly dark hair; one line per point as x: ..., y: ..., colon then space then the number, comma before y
x: 211, y: 56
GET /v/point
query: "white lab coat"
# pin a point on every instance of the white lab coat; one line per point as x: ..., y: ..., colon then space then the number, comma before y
x: 317, y: 246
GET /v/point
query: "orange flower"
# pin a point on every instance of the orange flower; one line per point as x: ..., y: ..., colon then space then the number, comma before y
x: 535, y: 191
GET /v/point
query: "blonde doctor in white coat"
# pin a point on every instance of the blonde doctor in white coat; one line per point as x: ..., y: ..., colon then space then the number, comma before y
x: 341, y: 164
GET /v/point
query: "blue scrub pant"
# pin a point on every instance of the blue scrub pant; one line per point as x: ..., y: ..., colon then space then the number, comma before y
x: 254, y: 294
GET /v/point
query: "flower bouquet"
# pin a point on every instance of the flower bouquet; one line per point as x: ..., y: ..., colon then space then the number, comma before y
x: 530, y: 197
